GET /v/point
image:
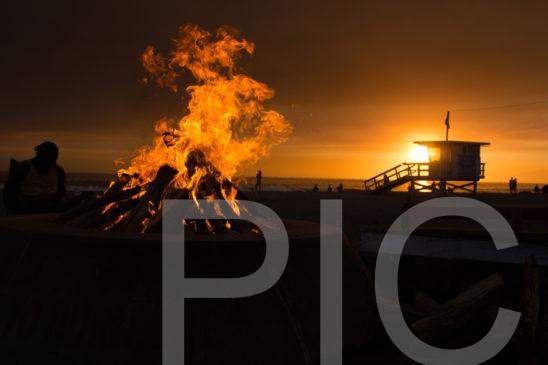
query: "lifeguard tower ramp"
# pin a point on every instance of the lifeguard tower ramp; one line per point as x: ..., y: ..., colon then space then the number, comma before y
x: 452, y: 165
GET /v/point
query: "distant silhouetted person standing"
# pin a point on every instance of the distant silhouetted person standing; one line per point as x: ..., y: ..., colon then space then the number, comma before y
x: 259, y: 182
x: 329, y: 188
x: 315, y: 188
x: 340, y: 188
x: 36, y: 185
x: 513, y: 185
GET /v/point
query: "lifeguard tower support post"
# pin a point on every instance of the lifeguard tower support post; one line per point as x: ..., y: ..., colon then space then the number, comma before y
x: 452, y: 165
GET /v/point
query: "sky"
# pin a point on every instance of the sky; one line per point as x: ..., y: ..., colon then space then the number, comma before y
x: 359, y: 80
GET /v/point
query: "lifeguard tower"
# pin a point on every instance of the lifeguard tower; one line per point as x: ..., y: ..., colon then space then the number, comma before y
x: 452, y: 166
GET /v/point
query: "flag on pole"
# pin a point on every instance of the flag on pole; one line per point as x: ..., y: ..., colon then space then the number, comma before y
x: 447, y: 127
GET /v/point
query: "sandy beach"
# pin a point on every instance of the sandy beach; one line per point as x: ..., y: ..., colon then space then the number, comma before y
x: 364, y: 212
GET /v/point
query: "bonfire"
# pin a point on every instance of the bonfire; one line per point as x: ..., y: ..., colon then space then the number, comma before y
x: 227, y: 128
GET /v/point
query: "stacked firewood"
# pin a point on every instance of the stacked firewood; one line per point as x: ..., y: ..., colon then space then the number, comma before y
x: 129, y: 207
x: 477, y: 306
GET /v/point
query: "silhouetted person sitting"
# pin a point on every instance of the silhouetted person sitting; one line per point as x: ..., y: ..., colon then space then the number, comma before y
x: 36, y: 185
x: 537, y: 189
x: 329, y: 188
x: 315, y: 188
x: 340, y: 188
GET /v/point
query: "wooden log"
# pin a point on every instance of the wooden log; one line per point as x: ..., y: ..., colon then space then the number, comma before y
x: 134, y: 222
x: 426, y: 304
x: 542, y: 327
x: 146, y: 216
x: 117, y: 185
x: 489, y: 314
x: 531, y: 358
x: 457, y: 312
x: 217, y: 226
x: 530, y: 303
x: 91, y: 219
x: 213, y: 182
x: 100, y: 218
x: 422, y: 306
x: 97, y: 204
x: 210, y: 185
x: 111, y: 216
x: 155, y: 222
x: 411, y: 313
x: 241, y: 226
x: 227, y: 186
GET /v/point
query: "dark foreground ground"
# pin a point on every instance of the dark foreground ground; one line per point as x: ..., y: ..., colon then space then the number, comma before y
x: 80, y: 301
x: 363, y: 212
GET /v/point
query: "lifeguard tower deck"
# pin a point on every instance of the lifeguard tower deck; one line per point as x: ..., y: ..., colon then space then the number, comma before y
x: 453, y: 165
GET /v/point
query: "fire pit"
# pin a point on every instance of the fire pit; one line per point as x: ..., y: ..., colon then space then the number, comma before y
x: 97, y: 295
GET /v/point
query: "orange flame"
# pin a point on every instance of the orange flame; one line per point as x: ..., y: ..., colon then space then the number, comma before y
x: 227, y: 120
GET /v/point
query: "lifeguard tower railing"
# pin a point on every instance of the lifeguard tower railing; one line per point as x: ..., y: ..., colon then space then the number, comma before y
x: 404, y: 173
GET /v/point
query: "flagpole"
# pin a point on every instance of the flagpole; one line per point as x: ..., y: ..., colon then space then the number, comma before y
x: 447, y: 126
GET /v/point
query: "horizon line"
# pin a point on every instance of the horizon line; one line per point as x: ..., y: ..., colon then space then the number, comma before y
x: 284, y: 177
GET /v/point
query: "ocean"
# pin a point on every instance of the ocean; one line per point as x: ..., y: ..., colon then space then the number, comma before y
x: 81, y: 182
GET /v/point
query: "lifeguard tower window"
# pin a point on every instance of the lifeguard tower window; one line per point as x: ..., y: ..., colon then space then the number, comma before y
x: 434, y: 154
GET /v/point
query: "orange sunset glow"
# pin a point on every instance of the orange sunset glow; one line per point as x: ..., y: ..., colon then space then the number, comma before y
x: 357, y: 84
x: 366, y: 150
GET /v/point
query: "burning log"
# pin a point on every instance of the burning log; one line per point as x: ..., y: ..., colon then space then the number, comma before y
x: 111, y: 195
x: 118, y: 208
x: 206, y: 182
x: 134, y: 221
x: 111, y: 216
x: 117, y: 186
x: 154, y: 224
x: 211, y: 183
x: 457, y: 312
x: 103, y: 216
